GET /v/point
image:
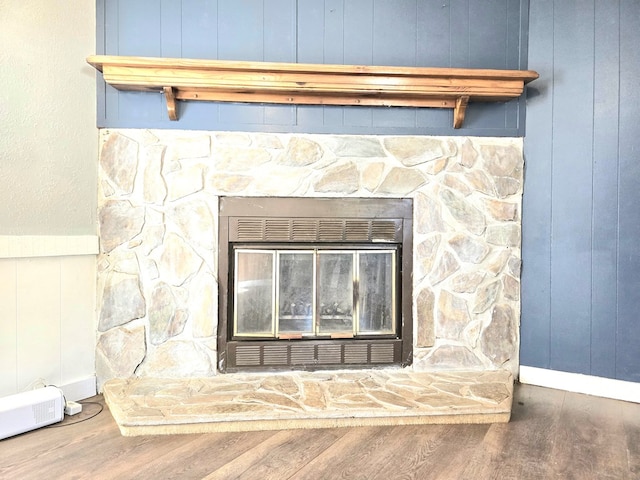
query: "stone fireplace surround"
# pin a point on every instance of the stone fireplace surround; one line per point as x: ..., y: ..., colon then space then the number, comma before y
x: 158, y: 207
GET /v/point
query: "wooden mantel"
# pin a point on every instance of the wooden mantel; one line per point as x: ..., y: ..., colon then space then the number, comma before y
x: 311, y: 84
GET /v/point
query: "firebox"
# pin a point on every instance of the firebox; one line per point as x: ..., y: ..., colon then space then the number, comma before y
x: 309, y: 283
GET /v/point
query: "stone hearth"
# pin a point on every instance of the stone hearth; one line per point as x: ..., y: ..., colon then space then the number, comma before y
x: 158, y: 214
x: 247, y: 402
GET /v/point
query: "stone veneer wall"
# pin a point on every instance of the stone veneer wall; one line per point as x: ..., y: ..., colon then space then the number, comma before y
x: 158, y: 204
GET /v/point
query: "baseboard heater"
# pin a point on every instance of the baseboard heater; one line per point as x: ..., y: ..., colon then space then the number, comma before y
x: 26, y: 411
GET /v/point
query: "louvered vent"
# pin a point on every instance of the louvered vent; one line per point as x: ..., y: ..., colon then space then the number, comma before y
x: 331, y: 230
x: 355, y: 353
x: 252, y: 229
x: 383, y: 231
x: 382, y: 353
x: 314, y: 354
x: 275, y: 355
x: 329, y: 354
x: 248, y: 355
x: 357, y: 230
x: 304, y: 230
x: 248, y: 229
x: 277, y: 229
x: 302, y: 354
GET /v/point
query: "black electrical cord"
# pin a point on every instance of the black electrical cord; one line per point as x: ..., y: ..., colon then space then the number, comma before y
x: 82, y: 419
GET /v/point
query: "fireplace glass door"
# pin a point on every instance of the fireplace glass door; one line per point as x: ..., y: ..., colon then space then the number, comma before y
x: 314, y: 293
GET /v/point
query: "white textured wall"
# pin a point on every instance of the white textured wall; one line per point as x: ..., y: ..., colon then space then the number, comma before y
x: 48, y: 165
x: 48, y: 135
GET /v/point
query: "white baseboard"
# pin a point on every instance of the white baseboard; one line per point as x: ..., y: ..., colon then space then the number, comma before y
x: 576, y: 382
x: 80, y: 389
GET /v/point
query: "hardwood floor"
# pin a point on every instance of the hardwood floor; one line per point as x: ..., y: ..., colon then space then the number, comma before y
x: 552, y: 435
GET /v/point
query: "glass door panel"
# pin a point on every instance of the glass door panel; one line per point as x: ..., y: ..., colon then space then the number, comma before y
x: 295, y: 292
x: 335, y: 309
x: 254, y: 308
x: 376, y: 302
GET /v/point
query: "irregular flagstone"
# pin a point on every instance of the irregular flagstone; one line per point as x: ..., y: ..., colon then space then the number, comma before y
x: 192, y: 146
x: 342, y: 178
x: 119, y: 352
x: 468, y: 249
x: 372, y: 175
x: 239, y: 159
x: 162, y: 312
x: 515, y: 265
x: 184, y: 182
x: 478, y: 180
x: 119, y: 222
x: 467, y: 282
x: 501, y: 160
x: 468, y: 154
x: 119, y: 161
x: 486, y: 297
x: 450, y: 357
x: 511, y: 288
x: 428, y: 214
x: 506, y: 186
x: 463, y: 212
x: 444, y: 269
x: 452, y: 316
x: 425, y: 254
x: 401, y: 181
x: 203, y: 304
x: 504, y: 235
x: 154, y: 187
x: 496, y: 263
x: 425, y: 305
x: 300, y: 152
x: 177, y: 261
x: 413, y: 151
x: 122, y: 301
x: 454, y: 183
x: 288, y: 181
x: 238, y: 139
x: 264, y: 140
x: 228, y: 183
x: 502, y: 211
x: 195, y: 221
x: 499, y: 338
x: 178, y: 359
x: 355, y: 146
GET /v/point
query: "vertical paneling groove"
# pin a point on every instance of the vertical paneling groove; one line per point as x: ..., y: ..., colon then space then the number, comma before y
x: 605, y: 188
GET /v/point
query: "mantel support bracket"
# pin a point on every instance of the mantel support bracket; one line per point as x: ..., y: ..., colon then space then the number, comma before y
x: 170, y: 96
x: 459, y: 110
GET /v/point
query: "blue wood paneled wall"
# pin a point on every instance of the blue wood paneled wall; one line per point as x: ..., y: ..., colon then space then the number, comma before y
x: 581, y: 231
x: 442, y: 33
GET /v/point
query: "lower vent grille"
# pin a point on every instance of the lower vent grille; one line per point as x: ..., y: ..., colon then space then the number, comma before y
x: 269, y: 355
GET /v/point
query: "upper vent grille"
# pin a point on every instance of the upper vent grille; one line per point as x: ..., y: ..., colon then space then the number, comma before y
x: 270, y: 229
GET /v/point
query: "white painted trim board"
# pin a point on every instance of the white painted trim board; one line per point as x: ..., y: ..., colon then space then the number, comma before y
x: 29, y: 246
x: 578, y: 383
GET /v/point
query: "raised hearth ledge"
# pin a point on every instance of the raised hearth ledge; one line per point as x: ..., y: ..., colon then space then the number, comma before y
x: 293, y: 400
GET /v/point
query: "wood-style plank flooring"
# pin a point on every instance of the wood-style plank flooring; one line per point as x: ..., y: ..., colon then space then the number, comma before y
x: 552, y: 435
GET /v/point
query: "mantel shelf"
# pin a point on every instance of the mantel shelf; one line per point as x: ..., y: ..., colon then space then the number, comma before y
x: 311, y: 84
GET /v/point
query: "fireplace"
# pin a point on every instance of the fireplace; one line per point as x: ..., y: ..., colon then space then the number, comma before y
x: 165, y: 306
x: 314, y: 283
